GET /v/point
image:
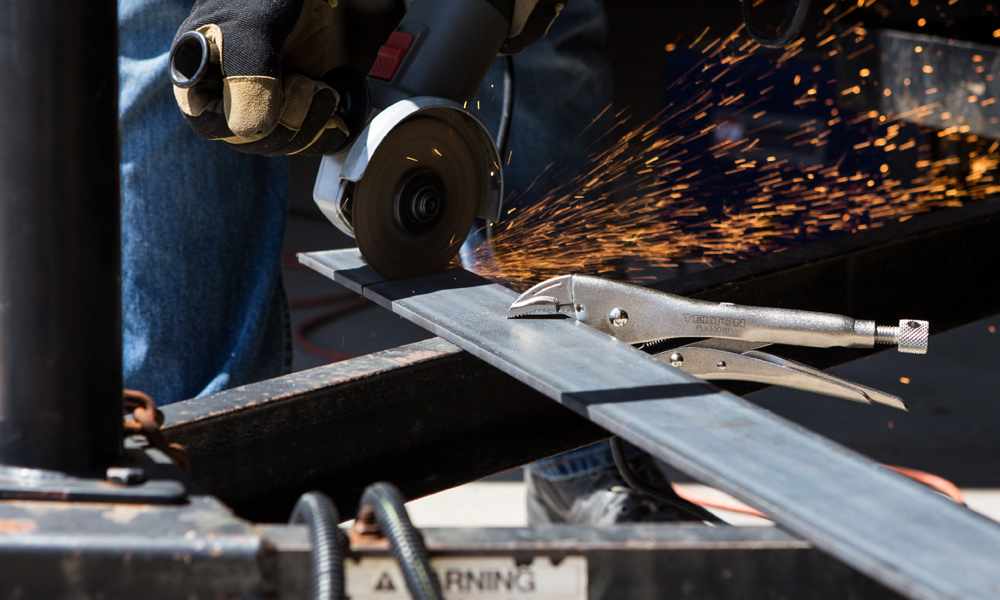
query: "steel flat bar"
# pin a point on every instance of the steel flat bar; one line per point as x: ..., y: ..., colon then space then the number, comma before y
x: 895, y: 531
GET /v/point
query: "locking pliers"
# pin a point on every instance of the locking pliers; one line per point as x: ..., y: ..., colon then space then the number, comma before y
x: 734, y: 334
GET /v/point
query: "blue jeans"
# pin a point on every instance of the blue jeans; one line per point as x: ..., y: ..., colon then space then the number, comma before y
x: 202, y: 225
x: 202, y: 228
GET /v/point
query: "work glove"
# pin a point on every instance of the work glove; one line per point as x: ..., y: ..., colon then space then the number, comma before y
x: 532, y: 19
x: 272, y: 101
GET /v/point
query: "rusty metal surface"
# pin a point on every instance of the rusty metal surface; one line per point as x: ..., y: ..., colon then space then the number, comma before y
x: 105, y: 550
x: 146, y: 421
x: 425, y: 416
x: 150, y: 483
x: 56, y: 550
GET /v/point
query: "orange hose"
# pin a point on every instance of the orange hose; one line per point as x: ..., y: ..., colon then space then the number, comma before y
x: 708, y: 501
x: 932, y: 481
x: 939, y: 484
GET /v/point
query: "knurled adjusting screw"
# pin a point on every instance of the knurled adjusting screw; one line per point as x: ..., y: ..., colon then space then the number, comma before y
x: 910, y: 336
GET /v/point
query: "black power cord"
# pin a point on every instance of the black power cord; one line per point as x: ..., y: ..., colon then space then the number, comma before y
x: 319, y: 514
x: 482, y: 231
x: 669, y: 496
x: 795, y: 16
x: 507, y: 110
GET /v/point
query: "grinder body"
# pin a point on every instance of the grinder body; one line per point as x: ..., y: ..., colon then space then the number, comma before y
x: 423, y: 167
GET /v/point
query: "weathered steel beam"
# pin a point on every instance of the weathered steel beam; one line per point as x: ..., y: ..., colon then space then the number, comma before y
x: 425, y: 416
x: 53, y: 549
x: 897, y: 532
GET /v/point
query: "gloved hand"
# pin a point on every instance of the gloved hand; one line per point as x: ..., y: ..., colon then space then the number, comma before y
x: 271, y: 53
x: 532, y: 19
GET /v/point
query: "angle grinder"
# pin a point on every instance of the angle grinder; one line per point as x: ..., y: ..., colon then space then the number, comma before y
x: 423, y: 167
x: 417, y: 168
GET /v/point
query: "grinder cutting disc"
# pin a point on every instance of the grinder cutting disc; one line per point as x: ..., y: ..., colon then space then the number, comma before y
x: 415, y: 204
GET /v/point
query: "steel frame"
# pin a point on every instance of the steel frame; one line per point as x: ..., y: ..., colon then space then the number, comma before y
x: 425, y: 416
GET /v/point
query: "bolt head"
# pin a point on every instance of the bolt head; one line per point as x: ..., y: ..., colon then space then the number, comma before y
x: 366, y: 525
x: 676, y: 359
x: 618, y: 317
x: 126, y: 475
x: 913, y: 334
x: 721, y: 365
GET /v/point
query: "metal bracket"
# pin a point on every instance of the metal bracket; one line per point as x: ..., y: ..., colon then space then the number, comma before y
x: 127, y: 482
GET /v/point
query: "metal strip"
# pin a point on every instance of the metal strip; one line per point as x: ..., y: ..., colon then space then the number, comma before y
x: 897, y: 532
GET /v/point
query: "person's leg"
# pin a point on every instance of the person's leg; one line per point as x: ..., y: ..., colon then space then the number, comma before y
x: 583, y: 486
x: 202, y: 304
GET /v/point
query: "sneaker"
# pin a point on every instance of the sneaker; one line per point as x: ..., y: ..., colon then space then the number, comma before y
x: 598, y: 498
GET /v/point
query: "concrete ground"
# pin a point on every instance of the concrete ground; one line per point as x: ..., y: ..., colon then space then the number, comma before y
x: 953, y: 393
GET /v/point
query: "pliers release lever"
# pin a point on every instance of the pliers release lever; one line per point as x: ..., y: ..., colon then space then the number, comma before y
x: 734, y: 333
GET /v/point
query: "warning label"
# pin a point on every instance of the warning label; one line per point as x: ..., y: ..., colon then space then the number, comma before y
x: 472, y: 578
x: 385, y: 583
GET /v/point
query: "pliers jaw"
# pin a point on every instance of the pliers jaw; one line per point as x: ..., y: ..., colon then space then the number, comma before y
x: 730, y: 360
x: 550, y: 297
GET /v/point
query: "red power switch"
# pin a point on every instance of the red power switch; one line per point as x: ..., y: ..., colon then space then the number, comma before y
x: 390, y: 55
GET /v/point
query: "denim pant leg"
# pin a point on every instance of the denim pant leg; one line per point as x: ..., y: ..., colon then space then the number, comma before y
x: 202, y: 226
x: 563, y: 82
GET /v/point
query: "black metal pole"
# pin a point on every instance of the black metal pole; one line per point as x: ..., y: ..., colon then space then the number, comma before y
x: 60, y: 306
